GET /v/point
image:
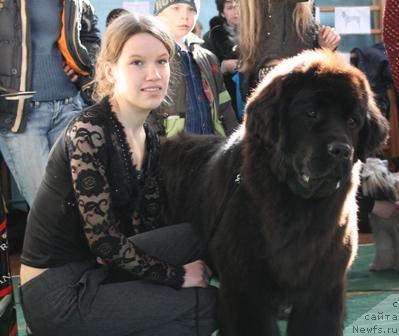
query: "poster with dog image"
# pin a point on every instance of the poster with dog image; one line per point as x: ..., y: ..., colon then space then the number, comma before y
x: 353, y: 20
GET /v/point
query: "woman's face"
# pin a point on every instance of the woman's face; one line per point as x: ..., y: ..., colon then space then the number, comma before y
x: 141, y: 74
x: 231, y: 12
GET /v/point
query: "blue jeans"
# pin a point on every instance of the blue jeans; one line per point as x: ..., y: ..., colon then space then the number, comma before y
x: 26, y: 153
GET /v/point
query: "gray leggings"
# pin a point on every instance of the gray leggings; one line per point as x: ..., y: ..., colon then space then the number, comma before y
x: 75, y: 300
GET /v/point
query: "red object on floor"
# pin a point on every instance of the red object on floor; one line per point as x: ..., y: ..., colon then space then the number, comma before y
x: 8, y: 317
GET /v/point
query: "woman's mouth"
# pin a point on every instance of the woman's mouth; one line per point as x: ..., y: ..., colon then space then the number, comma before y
x: 152, y: 89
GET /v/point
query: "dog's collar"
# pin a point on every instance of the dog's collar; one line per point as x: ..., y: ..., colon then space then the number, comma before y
x: 238, y: 179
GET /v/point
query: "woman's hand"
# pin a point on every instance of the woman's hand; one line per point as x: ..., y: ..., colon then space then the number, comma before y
x: 328, y: 38
x: 197, y: 274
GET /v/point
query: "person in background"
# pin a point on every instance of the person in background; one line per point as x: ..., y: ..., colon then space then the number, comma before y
x: 384, y: 209
x: 391, y: 38
x: 222, y: 40
x: 47, y: 49
x: 113, y: 14
x: 367, y: 205
x: 275, y: 29
x: 96, y: 259
x: 199, y: 102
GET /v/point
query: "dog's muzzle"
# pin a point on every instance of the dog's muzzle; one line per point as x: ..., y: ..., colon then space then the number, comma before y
x: 340, y: 151
x: 322, y: 175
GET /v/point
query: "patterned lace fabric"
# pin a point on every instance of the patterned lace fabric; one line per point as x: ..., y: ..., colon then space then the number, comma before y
x: 114, y: 199
x: 391, y: 37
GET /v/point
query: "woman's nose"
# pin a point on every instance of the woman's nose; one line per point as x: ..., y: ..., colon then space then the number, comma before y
x: 153, y: 72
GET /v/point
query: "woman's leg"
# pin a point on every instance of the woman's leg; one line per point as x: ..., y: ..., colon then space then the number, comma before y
x: 177, y: 244
x: 74, y: 300
x: 141, y: 308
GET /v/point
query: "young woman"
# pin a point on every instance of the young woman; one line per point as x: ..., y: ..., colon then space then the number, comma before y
x: 275, y: 29
x: 80, y: 273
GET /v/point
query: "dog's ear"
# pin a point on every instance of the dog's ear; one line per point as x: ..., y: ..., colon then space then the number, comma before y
x: 374, y: 131
x: 262, y: 110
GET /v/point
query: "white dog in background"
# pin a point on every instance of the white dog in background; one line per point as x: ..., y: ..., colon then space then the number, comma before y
x: 379, y: 183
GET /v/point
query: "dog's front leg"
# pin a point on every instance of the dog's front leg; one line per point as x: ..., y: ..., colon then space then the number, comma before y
x: 244, y: 312
x: 321, y: 314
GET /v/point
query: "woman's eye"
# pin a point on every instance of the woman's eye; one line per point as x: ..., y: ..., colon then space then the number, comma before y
x: 312, y: 114
x: 163, y: 61
x: 137, y: 62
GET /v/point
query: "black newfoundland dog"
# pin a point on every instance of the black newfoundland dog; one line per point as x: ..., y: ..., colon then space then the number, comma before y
x: 276, y: 201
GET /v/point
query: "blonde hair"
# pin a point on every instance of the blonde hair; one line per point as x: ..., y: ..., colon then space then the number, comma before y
x: 252, y: 28
x: 116, y: 35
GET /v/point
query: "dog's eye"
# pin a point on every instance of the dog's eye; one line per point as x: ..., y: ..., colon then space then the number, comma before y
x: 312, y: 114
x: 352, y: 122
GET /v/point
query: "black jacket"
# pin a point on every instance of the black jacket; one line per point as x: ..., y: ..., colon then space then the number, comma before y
x: 79, y: 42
x: 221, y: 40
x: 373, y: 61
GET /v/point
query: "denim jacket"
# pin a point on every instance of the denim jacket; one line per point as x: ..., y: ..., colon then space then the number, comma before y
x: 169, y: 119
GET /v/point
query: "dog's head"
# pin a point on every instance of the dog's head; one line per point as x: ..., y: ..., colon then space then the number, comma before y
x: 315, y: 116
x: 378, y: 182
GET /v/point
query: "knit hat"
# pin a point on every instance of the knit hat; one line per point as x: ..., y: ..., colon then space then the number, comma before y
x: 160, y: 5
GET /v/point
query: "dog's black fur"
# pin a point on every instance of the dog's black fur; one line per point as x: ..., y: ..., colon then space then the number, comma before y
x: 276, y: 201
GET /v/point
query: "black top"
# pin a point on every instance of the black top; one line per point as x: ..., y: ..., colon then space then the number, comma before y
x: 92, y: 198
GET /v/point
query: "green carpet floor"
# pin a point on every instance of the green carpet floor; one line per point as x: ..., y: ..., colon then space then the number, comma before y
x: 360, y: 279
x: 372, y: 300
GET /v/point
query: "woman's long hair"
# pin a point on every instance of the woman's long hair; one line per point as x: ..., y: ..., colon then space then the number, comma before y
x: 252, y: 18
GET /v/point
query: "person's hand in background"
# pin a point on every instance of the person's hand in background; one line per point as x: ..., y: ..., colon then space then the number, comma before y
x: 386, y: 209
x: 69, y: 72
x: 328, y: 38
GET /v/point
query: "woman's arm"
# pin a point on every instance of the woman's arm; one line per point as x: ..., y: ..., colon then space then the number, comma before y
x: 88, y: 164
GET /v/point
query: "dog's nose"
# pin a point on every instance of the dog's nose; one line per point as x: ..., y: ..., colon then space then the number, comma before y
x: 339, y: 150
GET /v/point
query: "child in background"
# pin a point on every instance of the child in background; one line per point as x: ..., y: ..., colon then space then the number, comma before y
x: 222, y: 40
x: 199, y: 101
x: 113, y: 14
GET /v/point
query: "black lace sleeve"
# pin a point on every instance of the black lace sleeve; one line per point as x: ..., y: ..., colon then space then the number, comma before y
x: 87, y: 151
